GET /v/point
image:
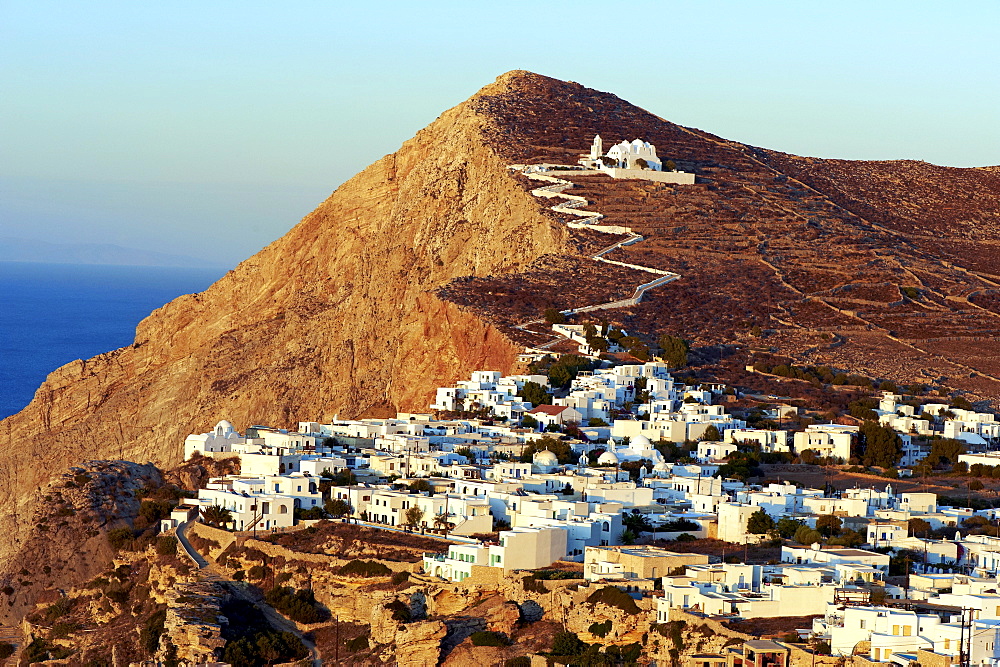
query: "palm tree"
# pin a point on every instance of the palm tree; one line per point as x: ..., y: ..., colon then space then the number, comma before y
x: 216, y: 515
x: 441, y: 520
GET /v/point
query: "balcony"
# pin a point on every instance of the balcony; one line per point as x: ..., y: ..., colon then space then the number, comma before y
x: 437, y: 557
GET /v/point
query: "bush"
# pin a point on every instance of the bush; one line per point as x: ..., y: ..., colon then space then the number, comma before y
x: 519, y: 661
x: 600, y: 629
x: 614, y: 597
x: 63, y: 630
x: 553, y: 316
x: 488, y: 638
x: 400, y: 578
x: 686, y: 537
x: 7, y: 650
x: 359, y: 643
x: 166, y: 545
x: 120, y: 538
x: 58, y: 609
x: 400, y: 611
x: 149, y: 636
x: 298, y: 605
x: 566, y: 643
x: 258, y: 572
x: 364, y: 568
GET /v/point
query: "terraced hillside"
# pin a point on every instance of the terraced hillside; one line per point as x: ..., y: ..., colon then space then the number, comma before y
x: 884, y: 268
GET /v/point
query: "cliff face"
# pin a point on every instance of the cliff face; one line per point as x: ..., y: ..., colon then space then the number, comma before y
x: 338, y: 316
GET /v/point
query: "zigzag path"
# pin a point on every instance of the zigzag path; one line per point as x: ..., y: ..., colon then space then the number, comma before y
x: 574, y: 206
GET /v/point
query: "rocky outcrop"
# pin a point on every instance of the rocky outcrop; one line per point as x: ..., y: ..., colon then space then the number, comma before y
x: 71, y: 514
x: 338, y: 316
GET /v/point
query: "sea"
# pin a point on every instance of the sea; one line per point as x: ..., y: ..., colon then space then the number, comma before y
x: 51, y: 314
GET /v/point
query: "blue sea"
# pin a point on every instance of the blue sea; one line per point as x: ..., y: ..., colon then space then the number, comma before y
x: 51, y: 314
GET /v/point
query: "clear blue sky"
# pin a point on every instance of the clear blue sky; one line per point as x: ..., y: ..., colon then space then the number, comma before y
x: 210, y: 128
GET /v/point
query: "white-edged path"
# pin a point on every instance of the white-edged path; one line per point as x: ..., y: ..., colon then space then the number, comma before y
x: 574, y: 206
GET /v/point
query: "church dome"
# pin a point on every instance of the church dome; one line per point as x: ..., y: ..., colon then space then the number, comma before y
x: 661, y: 467
x: 607, y: 459
x: 640, y: 442
x: 545, y: 458
x: 224, y: 428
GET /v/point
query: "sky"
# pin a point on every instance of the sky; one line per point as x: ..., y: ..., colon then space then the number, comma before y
x: 210, y: 128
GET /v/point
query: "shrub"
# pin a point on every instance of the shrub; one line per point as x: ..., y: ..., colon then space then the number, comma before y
x: 400, y: 611
x: 239, y: 575
x: 258, y: 572
x: 58, y: 609
x: 7, y: 650
x: 600, y: 629
x: 359, y: 643
x: 488, y: 638
x: 63, y: 630
x: 686, y: 537
x: 553, y: 316
x: 566, y: 643
x: 614, y: 597
x: 149, y: 636
x: 519, y: 661
x: 166, y: 545
x: 364, y: 568
x: 120, y: 538
x: 400, y: 578
x: 298, y: 605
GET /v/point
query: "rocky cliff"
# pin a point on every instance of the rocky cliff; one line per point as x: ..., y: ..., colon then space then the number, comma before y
x: 338, y: 316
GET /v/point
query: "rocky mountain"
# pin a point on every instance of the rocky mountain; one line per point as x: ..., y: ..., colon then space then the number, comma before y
x: 415, y: 271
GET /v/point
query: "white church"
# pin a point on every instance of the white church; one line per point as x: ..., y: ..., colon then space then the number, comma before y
x: 634, y: 159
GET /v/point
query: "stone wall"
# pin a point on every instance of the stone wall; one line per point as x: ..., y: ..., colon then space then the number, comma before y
x: 223, y: 537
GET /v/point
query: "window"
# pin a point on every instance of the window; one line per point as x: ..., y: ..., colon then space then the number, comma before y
x: 907, y: 630
x: 947, y: 644
x: 895, y: 629
x: 861, y: 625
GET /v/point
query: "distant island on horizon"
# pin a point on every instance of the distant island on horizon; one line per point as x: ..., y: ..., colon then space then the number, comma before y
x: 13, y: 249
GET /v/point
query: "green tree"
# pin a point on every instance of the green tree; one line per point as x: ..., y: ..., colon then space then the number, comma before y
x: 563, y: 451
x: 553, y: 316
x: 527, y: 421
x: 337, y: 508
x: 760, y: 522
x: 566, y: 643
x: 788, y: 527
x: 675, y: 350
x: 711, y: 434
x: 420, y: 486
x: 806, y: 535
x: 596, y: 421
x: 535, y: 394
x: 216, y: 515
x: 828, y: 525
x: 919, y: 527
x: 413, y: 516
x: 882, y: 445
x: 636, y: 523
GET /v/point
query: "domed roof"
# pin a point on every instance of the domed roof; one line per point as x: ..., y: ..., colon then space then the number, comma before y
x: 225, y: 425
x: 607, y: 459
x: 640, y: 442
x: 661, y: 467
x: 544, y: 458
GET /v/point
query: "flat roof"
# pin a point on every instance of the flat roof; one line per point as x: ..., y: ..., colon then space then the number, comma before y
x: 764, y: 645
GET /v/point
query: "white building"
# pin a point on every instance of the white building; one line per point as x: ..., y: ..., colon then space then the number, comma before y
x: 826, y: 440
x: 219, y: 440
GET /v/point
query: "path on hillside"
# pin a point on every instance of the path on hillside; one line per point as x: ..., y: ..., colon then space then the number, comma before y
x: 574, y: 206
x: 209, y: 572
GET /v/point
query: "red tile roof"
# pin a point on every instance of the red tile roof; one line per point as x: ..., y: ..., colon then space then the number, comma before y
x: 548, y: 409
